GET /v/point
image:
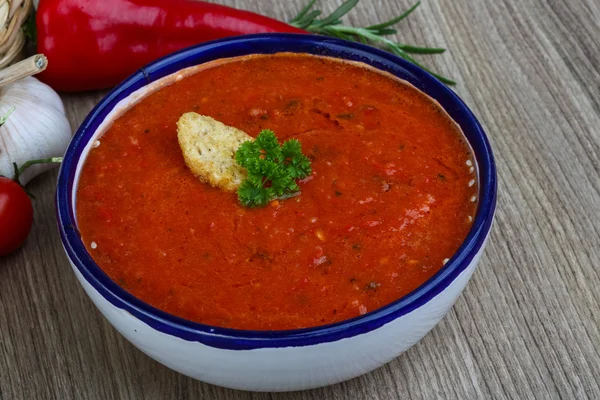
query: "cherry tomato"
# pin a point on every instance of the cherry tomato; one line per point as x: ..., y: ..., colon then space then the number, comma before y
x: 16, y: 215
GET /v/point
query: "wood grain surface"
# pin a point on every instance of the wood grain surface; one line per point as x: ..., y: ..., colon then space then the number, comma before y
x: 526, y: 327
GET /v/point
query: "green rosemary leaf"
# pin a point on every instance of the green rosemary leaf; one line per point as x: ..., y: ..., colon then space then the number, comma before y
x: 338, y: 13
x: 303, y: 12
x: 386, y: 31
x: 363, y: 40
x: 407, y: 57
x: 395, y: 20
x: 421, y: 50
x: 308, y: 19
x: 330, y: 31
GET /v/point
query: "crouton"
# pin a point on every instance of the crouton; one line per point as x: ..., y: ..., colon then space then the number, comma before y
x: 209, y: 148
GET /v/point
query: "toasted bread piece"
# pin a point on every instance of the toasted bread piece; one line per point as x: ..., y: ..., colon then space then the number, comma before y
x: 209, y: 148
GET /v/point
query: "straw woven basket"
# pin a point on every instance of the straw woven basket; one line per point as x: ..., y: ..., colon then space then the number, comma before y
x: 12, y: 39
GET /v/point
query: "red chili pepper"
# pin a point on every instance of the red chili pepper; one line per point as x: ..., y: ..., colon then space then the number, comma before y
x: 94, y: 44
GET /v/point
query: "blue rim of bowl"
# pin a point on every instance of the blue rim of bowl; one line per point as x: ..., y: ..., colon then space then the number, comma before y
x: 235, y: 339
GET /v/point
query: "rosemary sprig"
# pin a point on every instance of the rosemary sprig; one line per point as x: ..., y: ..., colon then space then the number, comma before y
x: 331, y: 25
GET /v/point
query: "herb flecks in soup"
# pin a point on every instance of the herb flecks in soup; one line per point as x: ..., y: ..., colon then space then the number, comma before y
x: 390, y: 199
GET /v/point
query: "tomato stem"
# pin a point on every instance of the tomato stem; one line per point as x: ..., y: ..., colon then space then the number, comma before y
x: 19, y: 171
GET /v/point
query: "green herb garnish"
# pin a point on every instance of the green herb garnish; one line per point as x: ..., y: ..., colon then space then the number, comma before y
x: 331, y: 25
x: 272, y: 169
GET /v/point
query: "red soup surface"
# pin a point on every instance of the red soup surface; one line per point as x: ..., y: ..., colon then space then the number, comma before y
x: 391, y: 197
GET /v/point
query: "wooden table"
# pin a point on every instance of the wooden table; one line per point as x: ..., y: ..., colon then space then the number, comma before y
x: 527, y: 324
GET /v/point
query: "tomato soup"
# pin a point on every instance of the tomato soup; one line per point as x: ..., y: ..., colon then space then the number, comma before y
x: 391, y: 197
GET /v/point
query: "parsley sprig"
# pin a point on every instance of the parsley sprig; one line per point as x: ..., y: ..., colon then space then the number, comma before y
x: 272, y: 169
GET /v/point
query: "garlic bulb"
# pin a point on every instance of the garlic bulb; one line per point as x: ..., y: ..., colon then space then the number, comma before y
x: 37, y: 128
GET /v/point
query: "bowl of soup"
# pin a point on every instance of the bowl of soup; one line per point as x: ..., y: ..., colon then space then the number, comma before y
x: 310, y: 290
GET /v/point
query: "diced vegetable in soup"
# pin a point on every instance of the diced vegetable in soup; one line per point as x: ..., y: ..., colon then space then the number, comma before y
x: 391, y: 196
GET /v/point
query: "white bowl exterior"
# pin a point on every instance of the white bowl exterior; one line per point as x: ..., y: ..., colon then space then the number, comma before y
x: 269, y: 369
x: 285, y: 368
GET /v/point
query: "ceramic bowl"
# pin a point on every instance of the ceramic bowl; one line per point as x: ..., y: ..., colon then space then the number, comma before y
x: 275, y: 360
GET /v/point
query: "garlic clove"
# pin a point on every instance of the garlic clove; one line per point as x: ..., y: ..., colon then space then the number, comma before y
x: 38, y: 127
